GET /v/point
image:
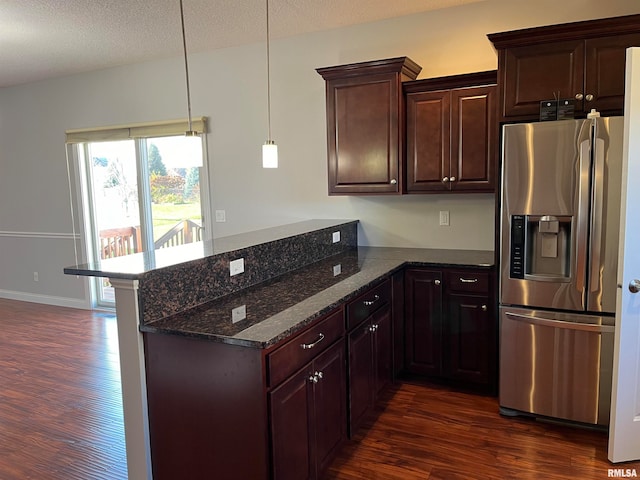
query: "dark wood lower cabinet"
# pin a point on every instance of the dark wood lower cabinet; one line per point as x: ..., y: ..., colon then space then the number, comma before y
x: 423, y: 307
x: 370, y: 363
x: 227, y: 411
x: 451, y: 326
x: 470, y: 338
x: 308, y: 417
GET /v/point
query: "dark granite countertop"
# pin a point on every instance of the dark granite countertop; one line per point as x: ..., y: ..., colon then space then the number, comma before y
x: 135, y: 265
x: 278, y: 308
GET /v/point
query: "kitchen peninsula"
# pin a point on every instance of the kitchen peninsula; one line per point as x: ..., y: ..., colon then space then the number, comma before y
x: 227, y: 375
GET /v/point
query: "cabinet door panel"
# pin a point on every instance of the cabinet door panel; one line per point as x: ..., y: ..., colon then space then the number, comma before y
x: 363, y: 117
x: 534, y: 73
x: 428, y: 140
x: 290, y: 434
x: 330, y: 418
x: 423, y: 304
x: 469, y: 333
x: 360, y: 374
x: 473, y: 136
x: 383, y: 350
x: 605, y: 71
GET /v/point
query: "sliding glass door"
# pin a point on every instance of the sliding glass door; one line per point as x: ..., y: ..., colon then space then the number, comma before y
x: 140, y: 194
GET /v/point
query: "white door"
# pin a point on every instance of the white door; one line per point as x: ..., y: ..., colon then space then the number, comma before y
x: 624, y: 434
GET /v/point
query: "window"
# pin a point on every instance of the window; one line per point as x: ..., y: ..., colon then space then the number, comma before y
x: 141, y: 188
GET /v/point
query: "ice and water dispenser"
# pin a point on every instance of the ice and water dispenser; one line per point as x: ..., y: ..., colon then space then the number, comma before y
x: 541, y: 247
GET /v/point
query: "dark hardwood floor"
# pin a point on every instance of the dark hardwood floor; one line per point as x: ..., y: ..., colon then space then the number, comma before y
x: 60, y: 396
x: 61, y: 417
x: 422, y: 431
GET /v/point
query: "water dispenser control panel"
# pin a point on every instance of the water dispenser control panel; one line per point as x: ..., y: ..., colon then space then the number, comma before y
x: 517, y: 246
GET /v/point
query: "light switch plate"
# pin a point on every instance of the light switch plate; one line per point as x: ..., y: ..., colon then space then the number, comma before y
x: 238, y: 314
x: 236, y: 266
x: 221, y: 216
x: 336, y: 237
x: 337, y: 270
x: 444, y: 218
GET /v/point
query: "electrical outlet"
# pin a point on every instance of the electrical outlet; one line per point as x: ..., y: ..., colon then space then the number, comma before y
x: 36, y: 277
x: 336, y: 237
x: 221, y: 216
x: 236, y: 266
x: 238, y: 314
x: 337, y: 270
x: 444, y: 218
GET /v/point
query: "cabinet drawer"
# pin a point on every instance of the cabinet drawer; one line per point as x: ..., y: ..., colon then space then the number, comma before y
x: 367, y: 303
x: 467, y: 281
x: 304, y: 347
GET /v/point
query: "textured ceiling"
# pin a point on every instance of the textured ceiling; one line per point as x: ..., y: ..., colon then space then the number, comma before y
x: 51, y: 38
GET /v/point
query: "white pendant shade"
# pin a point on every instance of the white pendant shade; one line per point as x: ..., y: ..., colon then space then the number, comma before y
x: 192, y: 147
x: 270, y: 155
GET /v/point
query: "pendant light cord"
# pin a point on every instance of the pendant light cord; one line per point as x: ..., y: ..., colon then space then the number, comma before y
x: 186, y: 68
x: 268, y: 77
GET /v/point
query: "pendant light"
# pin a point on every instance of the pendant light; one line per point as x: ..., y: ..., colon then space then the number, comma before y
x: 269, y: 149
x: 192, y: 143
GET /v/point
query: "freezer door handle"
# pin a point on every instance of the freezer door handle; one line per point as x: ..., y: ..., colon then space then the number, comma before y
x: 547, y: 322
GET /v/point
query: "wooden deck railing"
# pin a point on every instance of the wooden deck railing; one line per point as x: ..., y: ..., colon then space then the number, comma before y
x: 186, y: 231
x: 117, y: 242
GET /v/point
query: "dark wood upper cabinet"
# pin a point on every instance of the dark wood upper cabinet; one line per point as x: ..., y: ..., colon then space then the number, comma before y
x: 365, y: 125
x: 451, y: 133
x: 583, y: 61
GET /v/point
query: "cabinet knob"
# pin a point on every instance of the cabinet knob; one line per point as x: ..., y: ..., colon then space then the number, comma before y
x: 313, y: 378
x: 393, y: 181
x: 588, y: 97
x: 318, y: 374
x: 437, y: 282
x: 579, y: 96
x: 452, y: 179
x: 484, y: 308
x: 445, y: 179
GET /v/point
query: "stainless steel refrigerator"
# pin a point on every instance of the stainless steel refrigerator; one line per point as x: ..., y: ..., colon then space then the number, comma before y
x: 560, y: 218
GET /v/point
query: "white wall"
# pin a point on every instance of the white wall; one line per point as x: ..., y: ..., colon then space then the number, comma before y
x: 229, y: 86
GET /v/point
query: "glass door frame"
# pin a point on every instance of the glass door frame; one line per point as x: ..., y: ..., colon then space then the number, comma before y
x: 84, y: 206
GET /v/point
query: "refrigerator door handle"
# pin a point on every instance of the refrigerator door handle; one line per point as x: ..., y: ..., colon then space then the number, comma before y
x: 547, y: 322
x: 583, y: 210
x: 596, y: 216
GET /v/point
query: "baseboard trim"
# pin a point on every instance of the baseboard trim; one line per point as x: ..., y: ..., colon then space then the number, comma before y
x: 46, y: 299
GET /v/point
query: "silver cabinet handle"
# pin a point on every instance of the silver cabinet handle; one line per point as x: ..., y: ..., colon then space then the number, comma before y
x: 445, y: 179
x: 634, y: 286
x: 579, y: 96
x: 484, y: 308
x: 368, y: 303
x: 436, y: 282
x: 393, y: 181
x: 588, y: 97
x: 468, y: 280
x: 306, y: 346
x: 452, y: 179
